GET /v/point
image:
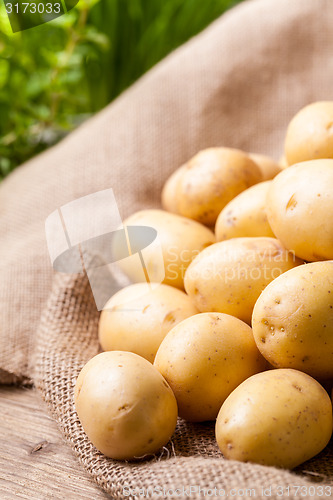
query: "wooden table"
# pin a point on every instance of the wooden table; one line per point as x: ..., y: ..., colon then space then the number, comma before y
x: 35, y: 462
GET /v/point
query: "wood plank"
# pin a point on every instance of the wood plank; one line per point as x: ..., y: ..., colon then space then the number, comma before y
x: 35, y: 462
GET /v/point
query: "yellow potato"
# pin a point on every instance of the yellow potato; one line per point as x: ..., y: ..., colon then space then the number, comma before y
x: 138, y: 317
x: 208, y: 182
x: 178, y: 241
x: 310, y: 133
x: 245, y: 215
x: 169, y: 197
x: 204, y: 358
x: 230, y: 275
x: 283, y: 162
x: 278, y: 417
x: 125, y: 406
x: 293, y: 320
x: 300, y: 209
x: 269, y: 168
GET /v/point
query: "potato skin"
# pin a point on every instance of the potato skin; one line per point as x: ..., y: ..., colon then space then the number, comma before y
x: 204, y: 358
x: 181, y: 240
x: 245, y: 215
x: 138, y: 317
x: 279, y: 417
x: 208, y: 182
x: 169, y: 196
x: 268, y: 167
x: 125, y: 406
x: 230, y: 275
x: 283, y: 162
x: 309, y: 134
x: 300, y: 209
x: 293, y: 320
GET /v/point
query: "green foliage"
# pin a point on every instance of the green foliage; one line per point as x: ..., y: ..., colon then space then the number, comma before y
x: 54, y: 76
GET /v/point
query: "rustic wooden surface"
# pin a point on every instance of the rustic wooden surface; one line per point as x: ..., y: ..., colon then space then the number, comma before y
x: 35, y: 463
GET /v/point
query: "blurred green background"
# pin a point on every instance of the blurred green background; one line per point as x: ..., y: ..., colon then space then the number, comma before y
x: 56, y: 75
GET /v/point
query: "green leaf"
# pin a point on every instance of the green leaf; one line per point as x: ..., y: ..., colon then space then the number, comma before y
x: 55, y: 75
x: 4, y: 72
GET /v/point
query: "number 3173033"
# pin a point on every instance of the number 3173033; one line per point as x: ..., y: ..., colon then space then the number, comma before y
x: 32, y: 8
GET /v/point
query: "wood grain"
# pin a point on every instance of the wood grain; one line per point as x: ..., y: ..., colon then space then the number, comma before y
x: 35, y: 462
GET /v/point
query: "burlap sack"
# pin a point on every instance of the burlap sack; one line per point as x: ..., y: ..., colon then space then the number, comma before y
x: 237, y: 84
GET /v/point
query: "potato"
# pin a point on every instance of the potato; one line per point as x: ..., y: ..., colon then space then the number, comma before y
x: 169, y: 192
x: 278, y: 417
x: 245, y: 215
x: 208, y: 182
x: 309, y: 134
x: 125, y: 406
x: 230, y: 275
x: 300, y: 209
x: 137, y: 318
x: 179, y: 241
x: 283, y: 162
x: 293, y: 320
x: 204, y: 358
x: 268, y: 167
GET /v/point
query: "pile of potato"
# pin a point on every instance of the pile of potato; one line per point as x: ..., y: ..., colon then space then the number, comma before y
x: 241, y: 329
